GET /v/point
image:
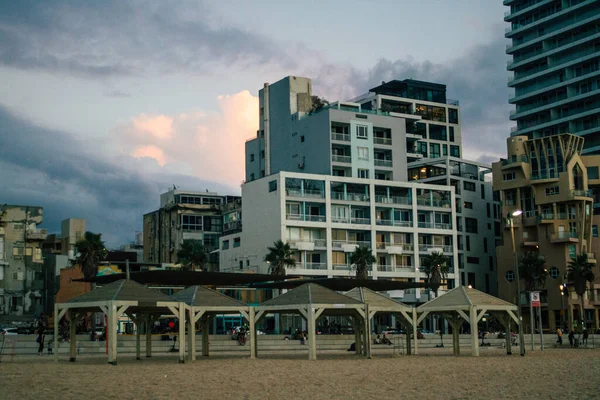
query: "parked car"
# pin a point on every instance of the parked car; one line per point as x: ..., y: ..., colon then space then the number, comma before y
x: 9, y: 331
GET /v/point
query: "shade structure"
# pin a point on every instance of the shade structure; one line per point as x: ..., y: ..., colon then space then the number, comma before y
x: 312, y: 301
x: 340, y: 284
x: 140, y: 304
x: 378, y: 303
x: 202, y: 304
x: 463, y: 303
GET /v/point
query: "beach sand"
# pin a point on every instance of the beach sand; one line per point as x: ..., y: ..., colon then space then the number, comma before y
x: 552, y: 374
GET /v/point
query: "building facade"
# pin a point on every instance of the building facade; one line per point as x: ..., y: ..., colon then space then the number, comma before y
x: 325, y: 218
x: 555, y: 68
x: 72, y: 231
x: 554, y: 186
x: 184, y: 215
x: 21, y: 274
x: 477, y: 215
x: 371, y: 137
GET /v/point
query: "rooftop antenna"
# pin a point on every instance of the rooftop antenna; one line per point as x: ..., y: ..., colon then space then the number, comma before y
x: 127, y: 277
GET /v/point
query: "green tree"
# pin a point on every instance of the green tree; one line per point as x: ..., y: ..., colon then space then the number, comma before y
x: 579, y: 273
x: 192, y: 254
x: 532, y: 269
x: 435, y: 267
x: 279, y: 257
x: 90, y: 251
x: 362, y: 259
x: 318, y: 103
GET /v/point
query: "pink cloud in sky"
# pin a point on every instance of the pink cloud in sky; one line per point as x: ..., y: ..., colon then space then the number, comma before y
x: 209, y: 145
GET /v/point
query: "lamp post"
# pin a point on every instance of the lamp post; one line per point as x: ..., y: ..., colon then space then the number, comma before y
x: 562, y: 306
x: 510, y: 218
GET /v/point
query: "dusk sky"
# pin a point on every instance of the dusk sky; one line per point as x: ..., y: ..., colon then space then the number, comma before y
x: 104, y: 105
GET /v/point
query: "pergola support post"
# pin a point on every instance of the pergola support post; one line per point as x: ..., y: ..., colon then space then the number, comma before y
x: 191, y: 334
x: 414, y: 325
x: 138, y: 339
x: 72, y: 336
x: 456, y: 334
x: 312, y: 340
x: 474, y: 336
x: 112, y: 333
x: 148, y: 326
x: 358, y: 345
x: 205, y: 324
x: 181, y: 318
x: 253, y: 332
x: 57, y: 316
x: 367, y: 325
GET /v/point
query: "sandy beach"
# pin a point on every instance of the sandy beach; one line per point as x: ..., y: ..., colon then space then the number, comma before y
x: 434, y: 376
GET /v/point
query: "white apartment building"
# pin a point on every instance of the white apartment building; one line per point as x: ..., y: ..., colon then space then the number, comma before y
x: 324, y: 218
x: 371, y: 137
x: 477, y: 215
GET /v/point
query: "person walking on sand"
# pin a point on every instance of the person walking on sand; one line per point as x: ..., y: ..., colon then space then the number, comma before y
x: 40, y: 340
x: 585, y: 337
x: 571, y: 338
x: 559, y: 335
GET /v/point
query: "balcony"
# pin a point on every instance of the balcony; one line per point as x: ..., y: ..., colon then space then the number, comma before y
x: 307, y: 244
x: 304, y: 217
x: 340, y: 137
x: 544, y: 175
x: 37, y: 234
x: 564, y: 237
x: 389, y: 222
x: 425, y: 248
x: 383, y: 163
x: 381, y: 140
x: 434, y: 225
x: 393, y: 200
x: 341, y: 159
x: 313, y: 266
x: 309, y: 193
x: 342, y: 267
x: 361, y: 197
x: 433, y: 203
x: 546, y: 218
x: 349, y: 245
x: 591, y: 257
x: 515, y: 160
x: 395, y: 268
x: 395, y: 248
x: 582, y: 193
x: 410, y: 155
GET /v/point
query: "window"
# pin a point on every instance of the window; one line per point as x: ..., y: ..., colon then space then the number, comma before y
x: 252, y: 157
x: 471, y: 225
x: 251, y: 177
x: 491, y: 260
x: 262, y: 173
x: 552, y: 191
x: 444, y: 149
x: 362, y: 131
x: 592, y: 172
x: 482, y: 191
x: 225, y: 245
x: 485, y: 245
x: 453, y: 116
x: 451, y: 130
x: 510, y: 276
x: 437, y: 132
x: 237, y: 242
x: 455, y: 151
x: 487, y: 209
x: 191, y: 222
x: 18, y: 226
x: 17, y: 251
x: 510, y: 176
x: 28, y: 251
x: 241, y: 264
x: 468, y: 242
x: 470, y: 186
x: 422, y: 148
x: 363, y: 153
x: 432, y: 113
x: 272, y: 186
x: 434, y: 150
x: 472, y: 260
x: 554, y: 272
x: 595, y: 230
x: 302, y: 139
x: 468, y: 205
x: 262, y: 154
x: 363, y: 173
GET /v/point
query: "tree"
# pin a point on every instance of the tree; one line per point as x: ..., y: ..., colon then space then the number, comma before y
x: 362, y: 259
x: 279, y: 257
x: 91, y: 251
x: 532, y: 269
x: 579, y: 273
x: 192, y: 254
x: 435, y: 267
x: 318, y: 103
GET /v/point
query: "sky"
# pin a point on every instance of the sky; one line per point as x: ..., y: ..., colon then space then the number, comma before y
x: 105, y: 105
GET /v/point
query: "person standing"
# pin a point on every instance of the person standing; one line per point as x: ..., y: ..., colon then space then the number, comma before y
x: 585, y: 336
x: 571, y: 338
x: 40, y: 340
x: 559, y: 335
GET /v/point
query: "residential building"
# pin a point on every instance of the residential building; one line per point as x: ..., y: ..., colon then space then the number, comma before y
x: 477, y: 215
x: 372, y: 137
x: 184, y: 215
x: 554, y: 186
x: 555, y: 68
x: 325, y: 218
x: 21, y: 278
x: 72, y: 231
x: 136, y: 246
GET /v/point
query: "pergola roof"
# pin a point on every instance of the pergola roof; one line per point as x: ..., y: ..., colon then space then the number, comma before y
x: 199, y: 296
x: 462, y: 298
x: 310, y: 293
x: 341, y: 284
x: 123, y: 290
x: 376, y: 300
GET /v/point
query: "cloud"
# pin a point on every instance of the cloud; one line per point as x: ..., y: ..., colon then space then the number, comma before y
x: 160, y: 126
x: 124, y: 38
x: 117, y: 94
x: 151, y: 151
x: 71, y: 177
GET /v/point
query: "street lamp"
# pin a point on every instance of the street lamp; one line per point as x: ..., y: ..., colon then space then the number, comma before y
x: 510, y: 218
x: 562, y: 305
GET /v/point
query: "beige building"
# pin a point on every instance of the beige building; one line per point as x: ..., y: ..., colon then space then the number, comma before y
x: 553, y: 185
x: 21, y: 275
x: 72, y: 231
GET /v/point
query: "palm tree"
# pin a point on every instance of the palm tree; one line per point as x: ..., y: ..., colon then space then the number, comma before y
x: 192, y: 254
x: 362, y: 259
x: 91, y: 251
x: 579, y: 273
x: 532, y: 269
x: 279, y: 257
x: 318, y: 103
x: 435, y: 267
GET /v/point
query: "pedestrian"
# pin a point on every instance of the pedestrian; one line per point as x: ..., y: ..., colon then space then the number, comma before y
x: 585, y: 336
x: 49, y: 347
x: 559, y: 335
x: 571, y: 338
x: 40, y: 340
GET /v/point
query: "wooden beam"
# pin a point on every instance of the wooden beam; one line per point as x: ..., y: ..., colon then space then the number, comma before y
x: 253, y: 333
x: 258, y: 316
x: 481, y: 314
x: 513, y: 316
x: 464, y: 315
x: 312, y: 334
x: 318, y: 313
x: 415, y: 324
x: 198, y: 315
x: 422, y: 317
x: 72, y: 336
x: 191, y: 320
x: 181, y: 320
x: 474, y: 336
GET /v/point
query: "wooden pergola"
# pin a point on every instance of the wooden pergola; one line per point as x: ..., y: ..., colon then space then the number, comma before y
x: 140, y: 304
x: 312, y: 301
x: 470, y: 305
x: 202, y: 304
x: 379, y: 303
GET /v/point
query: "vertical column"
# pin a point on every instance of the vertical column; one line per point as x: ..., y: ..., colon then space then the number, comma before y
x: 112, y: 337
x: 72, y: 336
x: 414, y: 325
x: 191, y: 334
x: 181, y: 318
x: 252, y: 333
x: 148, y: 325
x: 474, y: 338
x: 312, y: 339
x: 205, y: 323
x: 56, y: 321
x: 508, y: 336
x: 138, y: 324
x: 455, y: 335
x: 367, y: 332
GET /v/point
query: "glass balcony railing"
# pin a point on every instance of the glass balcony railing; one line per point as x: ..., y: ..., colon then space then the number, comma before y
x: 341, y: 159
x: 394, y: 268
x: 342, y: 137
x: 515, y: 159
x: 389, y: 222
x: 312, y: 265
x: 381, y: 140
x: 317, y: 194
x: 433, y: 203
x: 306, y: 217
x: 349, y: 196
x: 383, y: 163
x: 426, y: 247
x: 564, y: 235
x: 545, y: 175
x: 342, y: 267
x: 337, y: 244
x: 392, y: 200
x: 582, y: 193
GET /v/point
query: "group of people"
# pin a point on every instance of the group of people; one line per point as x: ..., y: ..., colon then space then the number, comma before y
x: 573, y: 342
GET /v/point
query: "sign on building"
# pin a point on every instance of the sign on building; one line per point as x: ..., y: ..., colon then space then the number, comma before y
x: 535, y: 299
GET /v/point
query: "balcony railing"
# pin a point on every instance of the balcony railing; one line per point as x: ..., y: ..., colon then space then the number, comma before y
x: 383, y: 163
x: 433, y: 203
x: 395, y: 268
x: 426, y: 247
x: 389, y: 222
x: 311, y: 265
x: 547, y: 216
x: 342, y: 267
x: 340, y: 159
x: 317, y: 242
x: 338, y: 243
x: 516, y: 159
x: 544, y: 175
x: 405, y: 246
x: 380, y: 140
x: 564, y: 235
x: 342, y: 137
x: 349, y: 196
x: 582, y: 193
x: 37, y: 234
x: 427, y: 225
x: 393, y: 200
x: 305, y: 217
x: 317, y: 194
x: 439, y: 225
